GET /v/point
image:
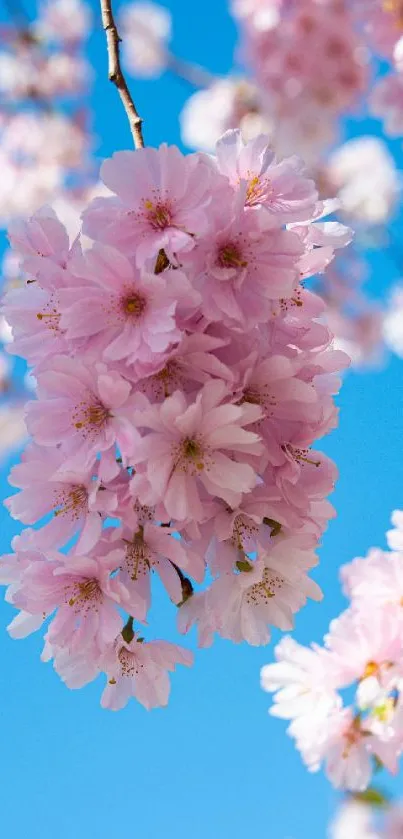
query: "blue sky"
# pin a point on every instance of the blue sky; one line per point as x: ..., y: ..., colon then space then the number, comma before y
x: 212, y: 764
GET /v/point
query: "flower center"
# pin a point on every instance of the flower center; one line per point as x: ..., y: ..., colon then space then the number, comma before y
x: 50, y: 317
x: 243, y: 530
x: 251, y: 396
x: 86, y: 594
x: 299, y: 455
x: 167, y: 380
x: 158, y: 214
x: 90, y: 418
x: 72, y: 503
x: 371, y: 669
x: 134, y: 304
x: 256, y: 191
x: 262, y: 593
x: 230, y: 256
x: 138, y: 558
x: 128, y: 663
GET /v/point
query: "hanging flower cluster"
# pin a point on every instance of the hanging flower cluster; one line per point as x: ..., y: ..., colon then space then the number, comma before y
x: 183, y: 375
x: 364, y: 650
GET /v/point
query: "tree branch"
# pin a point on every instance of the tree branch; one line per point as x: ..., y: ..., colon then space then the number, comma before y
x: 116, y: 75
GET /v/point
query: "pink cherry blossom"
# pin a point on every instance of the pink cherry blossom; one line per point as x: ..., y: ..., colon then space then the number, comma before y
x: 140, y: 669
x: 82, y: 591
x: 186, y: 448
x: 278, y: 186
x: 78, y: 499
x: 133, y: 314
x: 162, y: 203
x: 81, y: 413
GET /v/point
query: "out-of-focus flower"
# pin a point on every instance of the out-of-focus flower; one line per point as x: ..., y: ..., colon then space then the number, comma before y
x: 146, y: 30
x: 365, y: 177
x: 67, y: 21
x: 393, y: 321
x: 228, y: 103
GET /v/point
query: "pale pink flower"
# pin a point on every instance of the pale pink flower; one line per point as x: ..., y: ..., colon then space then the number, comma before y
x: 301, y: 681
x: 376, y: 580
x: 270, y: 591
x: 132, y: 313
x: 243, y: 268
x: 162, y: 203
x: 347, y: 754
x: 81, y: 409
x: 140, y: 669
x: 185, y: 450
x: 33, y: 314
x: 366, y: 651
x: 78, y: 500
x: 141, y: 548
x: 191, y: 363
x: 279, y: 186
x: 82, y: 591
x: 43, y: 242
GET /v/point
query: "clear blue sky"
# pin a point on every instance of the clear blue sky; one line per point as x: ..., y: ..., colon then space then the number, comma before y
x: 212, y: 765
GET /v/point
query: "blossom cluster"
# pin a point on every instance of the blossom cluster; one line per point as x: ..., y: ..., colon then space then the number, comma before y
x: 183, y: 374
x: 308, y: 60
x: 305, y: 64
x: 363, y: 650
x: 43, y: 143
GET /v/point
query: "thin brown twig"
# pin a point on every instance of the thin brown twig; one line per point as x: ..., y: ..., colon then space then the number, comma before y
x: 116, y: 75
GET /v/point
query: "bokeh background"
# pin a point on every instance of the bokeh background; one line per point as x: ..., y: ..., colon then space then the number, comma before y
x: 213, y: 764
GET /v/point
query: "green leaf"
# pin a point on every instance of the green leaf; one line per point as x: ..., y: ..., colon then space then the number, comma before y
x: 373, y: 796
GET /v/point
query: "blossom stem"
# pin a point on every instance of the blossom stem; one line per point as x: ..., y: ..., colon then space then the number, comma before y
x: 127, y: 631
x: 116, y: 75
x: 187, y: 588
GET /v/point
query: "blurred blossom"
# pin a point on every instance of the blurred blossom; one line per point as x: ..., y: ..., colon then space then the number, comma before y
x: 30, y: 72
x: 146, y: 30
x: 359, y: 336
x: 353, y: 821
x: 68, y: 21
x: 36, y: 152
x: 306, y: 58
x: 13, y: 431
x: 228, y: 103
x: 393, y: 321
x: 262, y: 15
x: 365, y: 177
x: 386, y: 103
